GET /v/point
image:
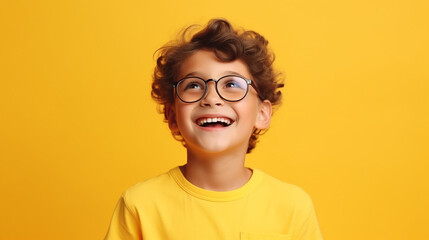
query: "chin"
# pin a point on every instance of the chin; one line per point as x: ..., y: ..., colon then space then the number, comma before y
x: 215, y: 147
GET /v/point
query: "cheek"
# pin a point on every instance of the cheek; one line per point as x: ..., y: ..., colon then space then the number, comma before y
x: 183, y: 113
x: 248, y: 111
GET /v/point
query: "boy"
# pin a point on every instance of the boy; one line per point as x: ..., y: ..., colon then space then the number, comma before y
x: 217, y: 91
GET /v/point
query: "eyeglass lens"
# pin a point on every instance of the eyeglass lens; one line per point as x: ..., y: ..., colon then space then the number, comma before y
x: 230, y: 88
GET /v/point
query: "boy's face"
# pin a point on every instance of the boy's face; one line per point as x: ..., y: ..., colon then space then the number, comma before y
x: 238, y: 119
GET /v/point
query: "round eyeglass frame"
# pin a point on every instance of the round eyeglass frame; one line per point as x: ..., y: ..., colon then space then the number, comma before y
x: 248, y: 82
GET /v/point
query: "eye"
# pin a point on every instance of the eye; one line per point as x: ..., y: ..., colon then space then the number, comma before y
x: 193, y: 85
x: 234, y: 83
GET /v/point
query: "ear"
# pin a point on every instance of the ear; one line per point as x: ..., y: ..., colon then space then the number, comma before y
x: 263, y: 119
x: 171, y: 118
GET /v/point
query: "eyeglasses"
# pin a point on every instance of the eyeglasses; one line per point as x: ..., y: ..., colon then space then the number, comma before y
x: 230, y: 88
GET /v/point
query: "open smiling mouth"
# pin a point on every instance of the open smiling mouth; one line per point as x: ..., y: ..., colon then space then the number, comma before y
x: 214, y: 122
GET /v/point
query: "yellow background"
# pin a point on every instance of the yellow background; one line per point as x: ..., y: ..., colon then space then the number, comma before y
x: 78, y: 126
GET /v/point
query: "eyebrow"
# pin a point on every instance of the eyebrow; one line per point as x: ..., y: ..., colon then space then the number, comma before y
x: 198, y: 74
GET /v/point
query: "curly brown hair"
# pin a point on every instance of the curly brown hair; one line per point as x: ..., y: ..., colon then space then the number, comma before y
x: 228, y: 44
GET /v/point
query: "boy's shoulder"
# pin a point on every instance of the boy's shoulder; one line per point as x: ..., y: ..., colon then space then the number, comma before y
x: 151, y: 188
x: 284, y: 191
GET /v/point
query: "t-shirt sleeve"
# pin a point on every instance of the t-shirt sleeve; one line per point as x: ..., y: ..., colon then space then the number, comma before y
x: 125, y: 224
x: 307, y: 226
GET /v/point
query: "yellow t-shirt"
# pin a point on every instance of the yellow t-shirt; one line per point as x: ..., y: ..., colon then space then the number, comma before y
x: 170, y: 207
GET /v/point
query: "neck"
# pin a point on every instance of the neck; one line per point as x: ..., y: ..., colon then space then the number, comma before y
x: 216, y: 172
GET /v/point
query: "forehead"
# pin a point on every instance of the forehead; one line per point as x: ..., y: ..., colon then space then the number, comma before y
x: 205, y: 64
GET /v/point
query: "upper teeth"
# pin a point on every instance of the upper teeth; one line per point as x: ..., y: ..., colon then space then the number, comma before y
x: 214, y: 120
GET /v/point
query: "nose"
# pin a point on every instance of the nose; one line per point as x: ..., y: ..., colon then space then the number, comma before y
x: 211, y: 98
